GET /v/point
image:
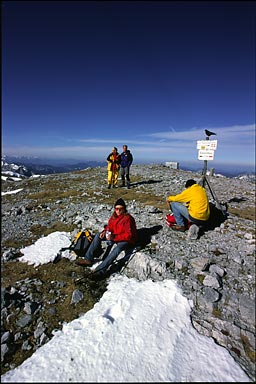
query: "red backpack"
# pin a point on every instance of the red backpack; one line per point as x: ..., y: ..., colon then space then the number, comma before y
x: 170, y: 220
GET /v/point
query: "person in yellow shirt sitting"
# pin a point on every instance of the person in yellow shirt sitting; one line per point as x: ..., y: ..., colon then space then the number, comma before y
x: 192, y: 204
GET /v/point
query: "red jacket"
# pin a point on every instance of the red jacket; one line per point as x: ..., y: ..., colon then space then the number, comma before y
x: 123, y: 228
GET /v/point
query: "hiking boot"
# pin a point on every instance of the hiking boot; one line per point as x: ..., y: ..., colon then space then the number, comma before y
x: 84, y: 263
x: 114, y: 186
x: 128, y: 186
x: 109, y: 186
x: 180, y: 228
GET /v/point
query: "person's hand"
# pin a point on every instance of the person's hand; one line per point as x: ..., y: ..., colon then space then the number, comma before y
x: 103, y: 234
x: 109, y: 236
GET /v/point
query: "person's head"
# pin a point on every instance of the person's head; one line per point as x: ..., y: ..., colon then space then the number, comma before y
x: 114, y: 149
x: 189, y: 183
x: 125, y: 148
x: 120, y: 207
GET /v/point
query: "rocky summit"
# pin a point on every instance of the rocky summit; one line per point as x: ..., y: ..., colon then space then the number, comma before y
x: 215, y: 268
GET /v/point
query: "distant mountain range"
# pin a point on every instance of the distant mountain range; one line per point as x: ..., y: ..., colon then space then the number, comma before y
x: 18, y: 168
x: 22, y: 167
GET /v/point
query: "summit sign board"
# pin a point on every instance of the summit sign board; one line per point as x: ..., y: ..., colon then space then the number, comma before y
x: 206, y: 149
x: 207, y: 144
x: 205, y: 154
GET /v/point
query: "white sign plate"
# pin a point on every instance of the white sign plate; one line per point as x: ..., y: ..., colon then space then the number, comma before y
x: 205, y: 154
x: 207, y: 144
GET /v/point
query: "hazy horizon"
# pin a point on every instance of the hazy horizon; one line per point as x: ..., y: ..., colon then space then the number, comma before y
x: 196, y: 165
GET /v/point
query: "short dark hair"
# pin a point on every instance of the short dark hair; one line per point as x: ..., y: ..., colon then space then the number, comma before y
x: 189, y: 183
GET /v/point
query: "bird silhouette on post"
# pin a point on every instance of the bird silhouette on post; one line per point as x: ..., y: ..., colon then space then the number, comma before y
x: 209, y: 133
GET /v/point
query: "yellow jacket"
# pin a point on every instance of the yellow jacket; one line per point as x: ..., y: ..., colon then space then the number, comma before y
x: 112, y: 163
x: 197, y: 201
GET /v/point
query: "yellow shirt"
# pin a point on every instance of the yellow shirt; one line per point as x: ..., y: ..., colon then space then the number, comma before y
x: 197, y: 201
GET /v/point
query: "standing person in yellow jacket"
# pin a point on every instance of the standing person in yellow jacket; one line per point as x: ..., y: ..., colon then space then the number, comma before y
x: 192, y: 204
x: 114, y: 161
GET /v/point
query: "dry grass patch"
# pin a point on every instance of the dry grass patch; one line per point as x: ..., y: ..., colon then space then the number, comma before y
x: 42, y: 230
x: 37, y: 231
x: 245, y: 213
x: 18, y: 243
x: 53, y: 195
x: 128, y: 195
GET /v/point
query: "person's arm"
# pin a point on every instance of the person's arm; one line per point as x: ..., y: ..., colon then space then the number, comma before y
x: 130, y: 159
x: 182, y: 197
x: 118, y: 161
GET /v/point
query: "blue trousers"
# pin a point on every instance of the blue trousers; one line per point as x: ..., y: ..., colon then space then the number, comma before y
x: 111, y: 256
x: 125, y: 172
x: 180, y: 212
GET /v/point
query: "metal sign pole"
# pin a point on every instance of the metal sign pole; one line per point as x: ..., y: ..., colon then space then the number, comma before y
x: 205, y: 168
x: 205, y: 179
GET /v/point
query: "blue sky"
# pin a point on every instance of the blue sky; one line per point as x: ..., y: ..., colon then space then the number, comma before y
x: 79, y: 77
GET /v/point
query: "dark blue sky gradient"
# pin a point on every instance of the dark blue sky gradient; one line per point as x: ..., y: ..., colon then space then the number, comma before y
x: 128, y: 72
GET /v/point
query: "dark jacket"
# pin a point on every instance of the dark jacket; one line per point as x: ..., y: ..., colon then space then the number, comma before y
x: 126, y: 159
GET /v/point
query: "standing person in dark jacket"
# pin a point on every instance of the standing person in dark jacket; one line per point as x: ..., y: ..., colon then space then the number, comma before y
x: 126, y: 161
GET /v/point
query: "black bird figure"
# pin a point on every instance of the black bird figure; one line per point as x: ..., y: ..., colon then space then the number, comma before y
x: 209, y: 133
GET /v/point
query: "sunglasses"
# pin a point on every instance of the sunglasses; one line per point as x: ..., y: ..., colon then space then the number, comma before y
x: 119, y: 209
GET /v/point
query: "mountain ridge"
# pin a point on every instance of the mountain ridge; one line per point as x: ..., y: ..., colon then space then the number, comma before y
x: 29, y: 166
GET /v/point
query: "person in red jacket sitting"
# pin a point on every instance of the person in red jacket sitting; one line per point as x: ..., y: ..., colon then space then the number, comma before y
x: 121, y: 230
